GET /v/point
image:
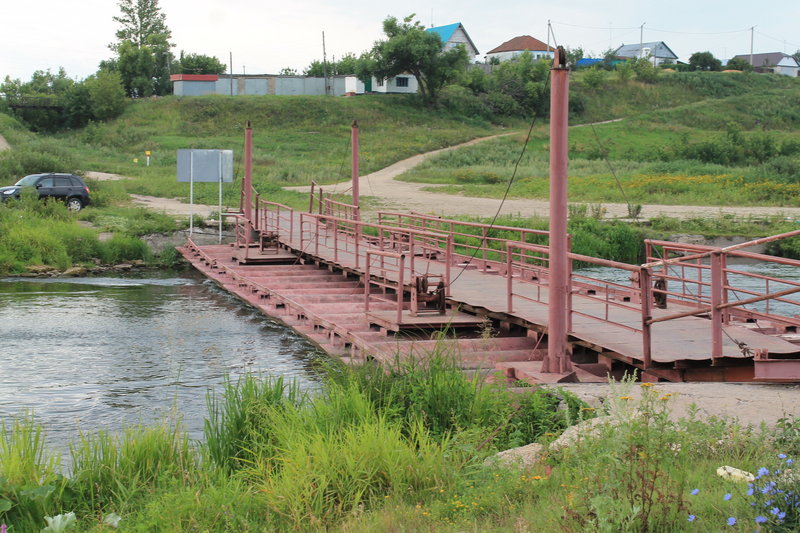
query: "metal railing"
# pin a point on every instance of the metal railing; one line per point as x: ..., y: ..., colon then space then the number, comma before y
x: 473, y: 242
x: 528, y: 266
x: 348, y: 240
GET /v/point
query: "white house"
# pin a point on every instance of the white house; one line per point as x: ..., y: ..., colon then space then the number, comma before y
x: 516, y: 46
x: 403, y: 83
x: 776, y: 62
x: 658, y: 51
x: 453, y: 35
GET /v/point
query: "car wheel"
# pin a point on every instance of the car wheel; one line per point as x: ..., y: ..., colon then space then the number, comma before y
x: 74, y: 204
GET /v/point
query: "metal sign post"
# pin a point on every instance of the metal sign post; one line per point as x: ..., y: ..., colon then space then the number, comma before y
x: 205, y: 166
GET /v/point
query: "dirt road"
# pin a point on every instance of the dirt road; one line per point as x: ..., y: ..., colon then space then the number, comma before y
x: 392, y: 194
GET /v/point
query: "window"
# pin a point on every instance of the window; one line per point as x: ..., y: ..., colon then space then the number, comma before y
x: 380, y: 82
x: 46, y: 182
x: 401, y: 82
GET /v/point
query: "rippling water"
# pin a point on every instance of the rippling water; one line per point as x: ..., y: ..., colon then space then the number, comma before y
x: 101, y: 353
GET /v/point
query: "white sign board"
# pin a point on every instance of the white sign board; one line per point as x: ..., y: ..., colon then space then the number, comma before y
x: 205, y: 166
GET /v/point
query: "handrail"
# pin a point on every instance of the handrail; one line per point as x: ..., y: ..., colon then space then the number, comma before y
x: 399, y: 291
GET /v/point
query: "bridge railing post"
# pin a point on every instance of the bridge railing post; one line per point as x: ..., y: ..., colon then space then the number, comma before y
x: 716, y: 302
x: 400, y: 290
x: 646, y: 291
x: 448, y: 262
x: 509, y: 278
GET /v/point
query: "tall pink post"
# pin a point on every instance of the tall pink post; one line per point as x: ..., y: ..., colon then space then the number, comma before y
x: 354, y: 135
x: 247, y: 184
x: 558, y: 358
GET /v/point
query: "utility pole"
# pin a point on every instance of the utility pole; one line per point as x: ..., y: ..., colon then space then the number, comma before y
x: 752, y: 32
x: 548, y: 35
x: 230, y: 59
x: 641, y: 39
x: 324, y: 64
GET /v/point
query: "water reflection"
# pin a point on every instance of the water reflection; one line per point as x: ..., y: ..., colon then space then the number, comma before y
x: 100, y: 353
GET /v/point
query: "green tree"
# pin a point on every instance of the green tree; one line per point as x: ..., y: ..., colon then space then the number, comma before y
x: 77, y: 107
x: 106, y: 95
x: 573, y: 55
x: 144, y: 55
x: 409, y: 48
x: 42, y: 84
x: 199, y: 64
x: 704, y: 61
x: 645, y: 71
x: 737, y: 63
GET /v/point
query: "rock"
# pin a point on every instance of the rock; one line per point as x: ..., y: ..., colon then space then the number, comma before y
x: 41, y: 269
x: 75, y: 271
x: 522, y: 457
x: 137, y: 263
x: 123, y: 266
x: 590, y: 428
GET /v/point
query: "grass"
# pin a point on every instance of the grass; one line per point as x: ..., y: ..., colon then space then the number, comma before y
x: 689, y: 154
x: 368, y: 453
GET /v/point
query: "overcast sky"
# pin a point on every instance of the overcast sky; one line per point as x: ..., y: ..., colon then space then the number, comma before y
x: 265, y: 37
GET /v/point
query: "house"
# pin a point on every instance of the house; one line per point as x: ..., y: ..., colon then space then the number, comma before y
x: 657, y: 50
x: 524, y: 43
x: 775, y: 62
x: 453, y: 35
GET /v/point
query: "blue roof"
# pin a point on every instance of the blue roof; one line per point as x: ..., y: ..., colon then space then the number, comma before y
x: 587, y: 62
x: 445, y: 32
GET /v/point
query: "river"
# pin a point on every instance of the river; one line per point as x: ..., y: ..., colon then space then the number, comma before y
x: 85, y: 354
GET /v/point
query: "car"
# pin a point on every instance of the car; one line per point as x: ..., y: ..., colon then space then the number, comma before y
x: 66, y: 187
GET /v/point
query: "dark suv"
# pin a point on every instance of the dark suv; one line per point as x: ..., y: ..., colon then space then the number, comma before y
x: 67, y: 187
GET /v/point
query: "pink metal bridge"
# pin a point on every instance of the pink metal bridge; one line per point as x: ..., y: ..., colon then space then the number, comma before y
x: 509, y: 298
x: 373, y: 290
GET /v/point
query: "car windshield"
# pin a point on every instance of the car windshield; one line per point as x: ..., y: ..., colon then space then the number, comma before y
x: 28, y: 181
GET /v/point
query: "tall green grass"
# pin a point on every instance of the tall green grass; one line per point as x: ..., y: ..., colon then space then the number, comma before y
x: 367, y: 452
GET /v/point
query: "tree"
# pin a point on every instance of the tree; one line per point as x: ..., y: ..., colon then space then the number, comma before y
x: 144, y: 55
x: 737, y: 63
x: 106, y: 95
x: 409, y: 48
x: 573, y: 56
x: 346, y: 66
x: 140, y: 19
x: 704, y: 61
x: 199, y: 64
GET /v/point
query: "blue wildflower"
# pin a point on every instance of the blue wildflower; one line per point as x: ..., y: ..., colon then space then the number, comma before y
x: 760, y: 519
x: 727, y: 497
x: 781, y: 515
x: 781, y: 456
x: 763, y: 471
x: 695, y: 491
x: 750, y: 490
x: 692, y: 518
x: 789, y: 461
x: 774, y: 510
x: 732, y: 521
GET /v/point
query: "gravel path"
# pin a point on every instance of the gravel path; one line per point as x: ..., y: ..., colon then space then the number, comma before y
x: 391, y: 194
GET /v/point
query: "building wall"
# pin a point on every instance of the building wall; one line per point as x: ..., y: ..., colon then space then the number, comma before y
x: 392, y: 86
x: 507, y: 56
x: 459, y: 37
x: 261, y: 85
x: 194, y: 88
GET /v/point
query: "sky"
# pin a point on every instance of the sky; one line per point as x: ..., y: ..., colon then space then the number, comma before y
x: 265, y: 37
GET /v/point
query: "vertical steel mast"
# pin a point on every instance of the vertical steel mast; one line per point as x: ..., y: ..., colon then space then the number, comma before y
x: 558, y: 356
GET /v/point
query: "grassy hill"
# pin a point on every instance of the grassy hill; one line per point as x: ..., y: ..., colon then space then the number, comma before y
x: 736, y: 147
x: 303, y: 138
x: 296, y: 139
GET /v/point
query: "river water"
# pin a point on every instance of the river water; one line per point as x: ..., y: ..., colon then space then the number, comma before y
x: 86, y: 354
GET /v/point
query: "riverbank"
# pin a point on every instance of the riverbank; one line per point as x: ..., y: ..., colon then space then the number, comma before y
x: 404, y: 449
